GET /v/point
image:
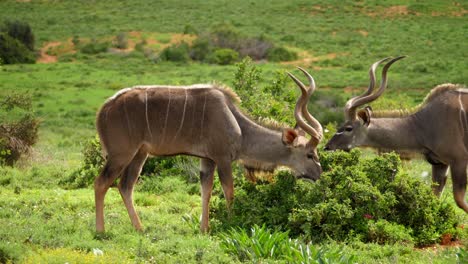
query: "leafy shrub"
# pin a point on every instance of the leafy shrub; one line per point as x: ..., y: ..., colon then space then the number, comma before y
x: 275, y: 97
x: 89, y: 170
x: 281, y: 54
x: 121, y: 41
x: 189, y: 29
x: 10, y: 253
x: 226, y: 36
x: 93, y: 162
x: 255, y: 48
x: 18, y: 127
x: 201, y: 48
x: 176, y: 53
x: 21, y: 31
x: 13, y: 51
x: 366, y: 199
x: 260, y: 243
x: 384, y: 232
x: 140, y: 46
x: 224, y: 56
x: 76, y: 40
x: 95, y: 47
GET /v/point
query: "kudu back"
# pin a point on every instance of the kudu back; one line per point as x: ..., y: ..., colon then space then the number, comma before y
x: 199, y: 120
x: 438, y: 129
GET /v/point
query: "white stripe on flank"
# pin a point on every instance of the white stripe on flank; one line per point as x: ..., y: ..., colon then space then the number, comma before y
x: 462, y: 114
x: 126, y: 117
x: 167, y: 116
x: 146, y: 112
x: 202, y: 118
x: 183, y: 117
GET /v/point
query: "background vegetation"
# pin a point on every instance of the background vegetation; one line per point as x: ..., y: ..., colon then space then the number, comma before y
x: 87, y: 50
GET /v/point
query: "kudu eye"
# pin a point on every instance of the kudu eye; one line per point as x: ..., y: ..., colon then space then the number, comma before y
x: 348, y: 128
x: 312, y: 156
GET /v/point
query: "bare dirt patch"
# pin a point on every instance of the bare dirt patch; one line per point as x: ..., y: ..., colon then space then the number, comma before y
x: 50, y: 51
x: 307, y: 59
x: 363, y: 33
x: 46, y: 58
x: 392, y: 11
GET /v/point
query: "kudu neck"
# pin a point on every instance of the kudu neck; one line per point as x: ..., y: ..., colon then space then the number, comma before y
x: 262, y: 144
x: 392, y: 133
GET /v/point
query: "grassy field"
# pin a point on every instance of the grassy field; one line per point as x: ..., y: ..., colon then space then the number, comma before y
x: 41, y: 222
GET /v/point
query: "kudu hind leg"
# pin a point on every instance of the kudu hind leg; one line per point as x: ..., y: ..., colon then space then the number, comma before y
x: 207, y: 168
x: 111, y: 171
x: 439, y: 177
x: 127, y: 182
x: 459, y: 183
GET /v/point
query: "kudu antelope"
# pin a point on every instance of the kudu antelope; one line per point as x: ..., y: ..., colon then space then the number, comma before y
x: 202, y: 121
x: 438, y: 129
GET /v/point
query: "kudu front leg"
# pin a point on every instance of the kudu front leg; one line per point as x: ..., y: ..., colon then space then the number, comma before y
x: 227, y: 182
x: 459, y: 175
x: 207, y: 168
x: 439, y: 177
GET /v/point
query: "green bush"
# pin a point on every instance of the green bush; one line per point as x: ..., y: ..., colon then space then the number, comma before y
x: 176, y: 53
x: 384, y: 232
x: 93, y: 161
x: 224, y: 56
x: 226, y: 36
x: 201, y: 48
x: 21, y: 31
x: 366, y: 199
x: 95, y: 47
x: 189, y: 29
x: 89, y: 170
x: 281, y: 54
x: 121, y: 41
x: 18, y: 128
x: 11, y: 253
x: 13, y: 51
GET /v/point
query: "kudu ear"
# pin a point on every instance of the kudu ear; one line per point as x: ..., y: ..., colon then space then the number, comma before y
x: 365, y: 115
x: 289, y: 135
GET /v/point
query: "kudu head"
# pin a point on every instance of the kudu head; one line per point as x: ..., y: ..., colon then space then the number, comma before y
x: 304, y: 157
x: 354, y: 130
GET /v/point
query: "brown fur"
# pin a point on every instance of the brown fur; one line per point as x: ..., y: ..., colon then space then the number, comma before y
x: 434, y: 93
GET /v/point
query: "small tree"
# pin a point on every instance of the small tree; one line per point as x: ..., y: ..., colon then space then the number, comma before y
x: 21, y: 31
x: 13, y: 51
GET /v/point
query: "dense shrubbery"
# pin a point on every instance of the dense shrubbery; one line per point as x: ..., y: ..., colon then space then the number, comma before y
x: 16, y: 43
x: 18, y: 127
x: 13, y: 51
x: 95, y: 47
x: 224, y: 44
x: 121, y: 41
x: 224, y: 56
x: 93, y: 162
x: 278, y: 98
x: 364, y: 199
x: 177, y: 53
x: 21, y: 31
x: 281, y: 54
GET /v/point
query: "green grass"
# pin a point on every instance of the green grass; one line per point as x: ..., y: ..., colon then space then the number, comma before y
x: 42, y: 223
